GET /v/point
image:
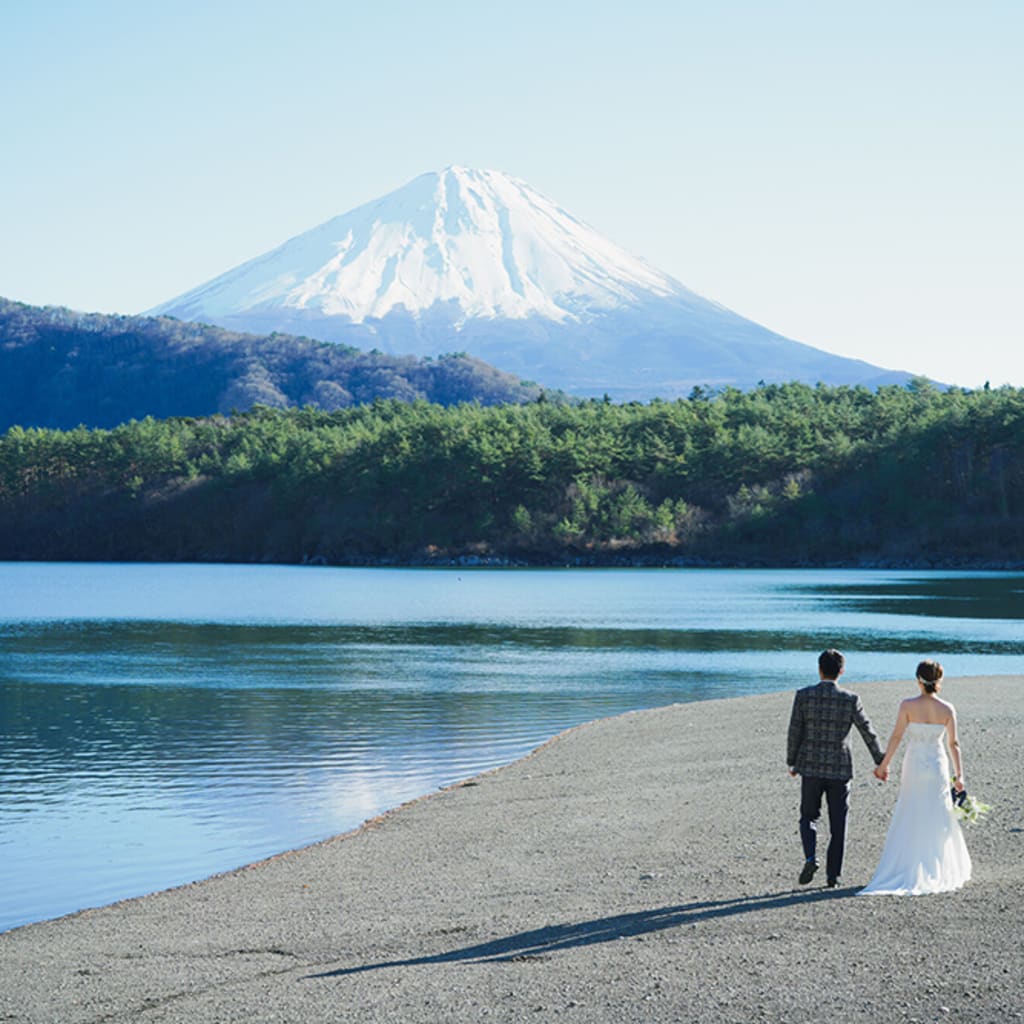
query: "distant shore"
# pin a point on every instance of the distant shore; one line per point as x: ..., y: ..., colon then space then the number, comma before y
x: 570, y: 560
x: 658, y: 560
x: 639, y: 868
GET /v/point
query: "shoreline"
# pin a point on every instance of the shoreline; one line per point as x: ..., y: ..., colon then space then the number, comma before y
x: 577, y: 878
x: 566, y: 560
x: 375, y: 821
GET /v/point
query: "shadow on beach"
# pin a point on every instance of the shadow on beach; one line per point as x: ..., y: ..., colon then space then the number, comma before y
x: 539, y: 942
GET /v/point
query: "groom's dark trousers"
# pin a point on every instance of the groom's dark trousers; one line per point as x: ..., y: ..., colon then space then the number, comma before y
x: 837, y: 794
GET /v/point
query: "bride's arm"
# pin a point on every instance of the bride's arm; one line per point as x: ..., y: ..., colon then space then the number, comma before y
x: 954, y: 750
x: 902, y: 717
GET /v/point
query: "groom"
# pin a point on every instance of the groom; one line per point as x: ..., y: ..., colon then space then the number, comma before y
x: 818, y: 750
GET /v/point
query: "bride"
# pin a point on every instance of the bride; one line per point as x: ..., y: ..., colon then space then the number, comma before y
x: 924, y: 850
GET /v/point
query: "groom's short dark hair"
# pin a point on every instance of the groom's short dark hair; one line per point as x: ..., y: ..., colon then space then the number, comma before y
x: 830, y: 664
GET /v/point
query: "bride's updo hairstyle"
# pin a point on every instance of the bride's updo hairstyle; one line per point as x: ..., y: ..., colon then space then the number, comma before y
x: 929, y: 675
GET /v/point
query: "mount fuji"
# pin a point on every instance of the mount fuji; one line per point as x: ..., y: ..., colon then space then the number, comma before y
x: 478, y: 261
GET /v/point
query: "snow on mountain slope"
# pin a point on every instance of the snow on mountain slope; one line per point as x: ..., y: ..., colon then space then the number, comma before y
x: 482, y: 240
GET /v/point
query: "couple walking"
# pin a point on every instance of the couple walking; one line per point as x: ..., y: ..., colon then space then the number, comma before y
x: 924, y: 850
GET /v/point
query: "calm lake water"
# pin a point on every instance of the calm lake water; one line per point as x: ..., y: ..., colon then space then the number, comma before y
x: 159, y: 723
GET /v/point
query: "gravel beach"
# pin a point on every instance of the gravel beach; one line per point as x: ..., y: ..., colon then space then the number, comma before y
x: 640, y: 868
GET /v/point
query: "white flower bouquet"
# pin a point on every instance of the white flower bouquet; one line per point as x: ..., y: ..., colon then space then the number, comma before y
x: 969, y: 809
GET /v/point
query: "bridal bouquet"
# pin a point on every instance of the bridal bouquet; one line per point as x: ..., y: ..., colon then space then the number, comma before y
x: 968, y: 808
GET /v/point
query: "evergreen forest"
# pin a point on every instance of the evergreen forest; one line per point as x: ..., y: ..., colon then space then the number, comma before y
x: 784, y: 475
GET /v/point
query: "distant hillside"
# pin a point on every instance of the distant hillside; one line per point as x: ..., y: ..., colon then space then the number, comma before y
x: 60, y: 368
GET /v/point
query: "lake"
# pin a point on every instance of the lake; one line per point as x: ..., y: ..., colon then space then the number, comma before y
x: 160, y: 723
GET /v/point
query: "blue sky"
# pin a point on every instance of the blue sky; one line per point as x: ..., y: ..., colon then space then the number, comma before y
x: 846, y: 174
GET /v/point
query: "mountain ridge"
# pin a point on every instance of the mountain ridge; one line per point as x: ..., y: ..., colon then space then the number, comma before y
x: 60, y: 368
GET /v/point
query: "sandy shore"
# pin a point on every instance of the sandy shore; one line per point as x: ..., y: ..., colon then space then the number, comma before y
x: 641, y: 868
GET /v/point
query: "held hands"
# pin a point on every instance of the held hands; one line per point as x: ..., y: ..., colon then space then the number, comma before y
x: 882, y: 773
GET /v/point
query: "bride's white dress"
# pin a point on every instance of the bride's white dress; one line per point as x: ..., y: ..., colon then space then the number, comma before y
x: 925, y: 850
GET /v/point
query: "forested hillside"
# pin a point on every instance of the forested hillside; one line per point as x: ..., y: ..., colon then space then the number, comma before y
x: 783, y: 475
x: 59, y: 368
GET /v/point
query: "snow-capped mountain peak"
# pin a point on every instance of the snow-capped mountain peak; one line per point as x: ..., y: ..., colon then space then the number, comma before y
x: 483, y: 241
x: 480, y: 262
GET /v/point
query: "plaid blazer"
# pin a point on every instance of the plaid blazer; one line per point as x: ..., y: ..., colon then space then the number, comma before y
x: 819, y: 732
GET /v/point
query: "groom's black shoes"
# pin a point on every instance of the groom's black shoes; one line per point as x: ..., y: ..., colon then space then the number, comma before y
x: 832, y: 882
x: 807, y: 872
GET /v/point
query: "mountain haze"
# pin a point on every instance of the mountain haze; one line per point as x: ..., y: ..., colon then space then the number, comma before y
x: 481, y: 262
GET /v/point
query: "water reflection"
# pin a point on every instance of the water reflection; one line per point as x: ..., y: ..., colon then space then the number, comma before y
x: 119, y: 653
x: 959, y: 596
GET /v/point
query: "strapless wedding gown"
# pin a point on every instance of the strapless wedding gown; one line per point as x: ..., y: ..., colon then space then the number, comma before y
x: 925, y: 850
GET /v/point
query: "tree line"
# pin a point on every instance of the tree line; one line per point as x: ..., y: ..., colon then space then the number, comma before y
x: 781, y: 475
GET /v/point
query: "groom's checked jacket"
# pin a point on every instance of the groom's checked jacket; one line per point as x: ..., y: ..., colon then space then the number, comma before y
x: 819, y: 732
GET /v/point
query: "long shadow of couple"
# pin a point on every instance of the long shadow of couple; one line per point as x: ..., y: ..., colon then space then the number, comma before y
x: 552, y: 938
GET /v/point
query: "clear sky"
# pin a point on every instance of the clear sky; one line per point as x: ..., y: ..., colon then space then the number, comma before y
x: 848, y: 174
